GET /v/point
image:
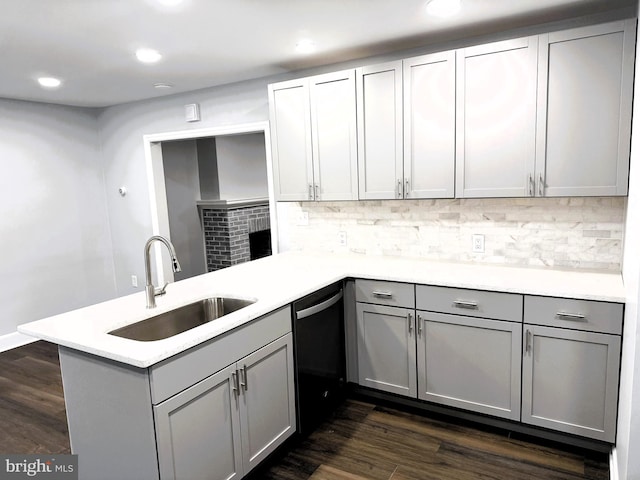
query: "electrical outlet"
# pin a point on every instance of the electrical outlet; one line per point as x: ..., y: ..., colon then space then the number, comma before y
x: 342, y: 238
x: 477, y: 243
x: 134, y: 280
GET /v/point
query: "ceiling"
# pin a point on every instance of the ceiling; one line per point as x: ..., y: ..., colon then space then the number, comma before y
x: 90, y: 44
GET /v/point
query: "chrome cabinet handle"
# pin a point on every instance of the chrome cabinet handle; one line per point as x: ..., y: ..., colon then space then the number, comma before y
x: 317, y: 192
x: 399, y: 188
x: 381, y: 294
x: 244, y: 383
x: 532, y: 184
x: 464, y: 304
x: 570, y: 316
x: 527, y: 343
x: 541, y: 186
x: 234, y: 383
x: 310, y: 192
x: 410, y: 322
x: 419, y: 320
x: 406, y: 192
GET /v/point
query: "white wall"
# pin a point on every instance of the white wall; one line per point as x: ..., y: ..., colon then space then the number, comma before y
x: 242, y: 166
x: 122, y: 129
x: 54, y: 234
x: 182, y: 184
x: 627, y: 452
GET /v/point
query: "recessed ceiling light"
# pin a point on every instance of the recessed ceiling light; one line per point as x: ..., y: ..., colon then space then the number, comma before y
x: 162, y: 85
x: 169, y: 3
x: 49, y: 82
x: 443, y: 8
x: 148, y: 55
x: 305, y: 46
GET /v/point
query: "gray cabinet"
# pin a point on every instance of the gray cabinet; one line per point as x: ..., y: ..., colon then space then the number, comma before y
x: 468, y: 349
x: 290, y: 123
x: 429, y: 125
x: 232, y: 419
x: 469, y: 363
x: 495, y: 117
x: 379, y: 96
x: 386, y: 348
x: 570, y: 375
x: 585, y: 91
x: 199, y: 429
x: 313, y: 138
x: 406, y: 128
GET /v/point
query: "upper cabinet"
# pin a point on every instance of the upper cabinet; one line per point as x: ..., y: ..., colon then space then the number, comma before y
x: 379, y: 94
x: 333, y: 133
x: 290, y: 123
x: 585, y: 86
x: 495, y: 117
x: 429, y: 125
x: 545, y: 115
x: 313, y: 131
x: 406, y: 128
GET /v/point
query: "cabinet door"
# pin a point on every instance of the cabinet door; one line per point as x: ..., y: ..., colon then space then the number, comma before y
x: 198, y: 431
x: 584, y: 110
x: 267, y: 400
x: 379, y: 90
x: 570, y: 381
x: 290, y: 123
x: 429, y: 125
x: 496, y: 119
x: 387, y: 349
x: 333, y: 127
x: 470, y: 363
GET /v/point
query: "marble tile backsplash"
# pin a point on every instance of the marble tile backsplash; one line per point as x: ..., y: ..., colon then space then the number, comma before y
x: 583, y: 233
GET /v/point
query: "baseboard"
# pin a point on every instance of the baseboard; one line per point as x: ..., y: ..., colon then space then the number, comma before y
x: 13, y: 340
x: 613, y: 465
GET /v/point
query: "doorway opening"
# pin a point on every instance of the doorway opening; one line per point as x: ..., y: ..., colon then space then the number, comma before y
x: 211, y: 193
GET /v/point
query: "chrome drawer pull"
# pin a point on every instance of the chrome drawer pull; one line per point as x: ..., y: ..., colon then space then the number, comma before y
x: 410, y: 319
x: 527, y: 347
x: 467, y: 305
x: 570, y: 316
x: 378, y: 293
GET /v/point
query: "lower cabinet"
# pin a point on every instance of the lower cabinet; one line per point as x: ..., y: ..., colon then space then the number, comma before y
x: 570, y: 381
x: 469, y: 363
x: 386, y: 348
x: 223, y: 426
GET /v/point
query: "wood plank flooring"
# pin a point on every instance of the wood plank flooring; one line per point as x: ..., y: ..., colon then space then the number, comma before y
x: 32, y: 413
x: 365, y: 441
x: 361, y: 441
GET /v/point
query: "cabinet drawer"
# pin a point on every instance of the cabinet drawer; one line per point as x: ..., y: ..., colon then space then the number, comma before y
x: 385, y: 293
x: 585, y: 315
x: 473, y: 303
x: 187, y: 368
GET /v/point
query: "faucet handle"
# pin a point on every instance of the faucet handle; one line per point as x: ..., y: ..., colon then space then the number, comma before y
x: 161, y: 291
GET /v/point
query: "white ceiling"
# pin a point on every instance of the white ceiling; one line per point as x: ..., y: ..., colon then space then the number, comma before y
x: 90, y: 44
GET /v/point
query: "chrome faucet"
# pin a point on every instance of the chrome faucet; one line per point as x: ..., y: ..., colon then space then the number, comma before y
x: 153, y: 292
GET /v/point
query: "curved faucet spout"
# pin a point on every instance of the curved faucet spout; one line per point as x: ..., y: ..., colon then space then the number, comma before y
x: 153, y: 292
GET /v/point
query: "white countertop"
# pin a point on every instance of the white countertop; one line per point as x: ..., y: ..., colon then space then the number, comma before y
x: 280, y: 279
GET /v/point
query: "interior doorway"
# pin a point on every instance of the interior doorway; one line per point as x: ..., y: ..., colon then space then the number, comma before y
x: 195, y: 172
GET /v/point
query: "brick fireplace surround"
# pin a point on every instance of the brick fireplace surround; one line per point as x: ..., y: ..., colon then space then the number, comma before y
x: 227, y: 226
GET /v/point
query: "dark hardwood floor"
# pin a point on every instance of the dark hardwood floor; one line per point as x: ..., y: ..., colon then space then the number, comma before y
x: 360, y: 441
x: 32, y: 414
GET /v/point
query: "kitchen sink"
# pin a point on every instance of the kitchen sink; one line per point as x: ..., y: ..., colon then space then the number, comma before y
x: 181, y: 319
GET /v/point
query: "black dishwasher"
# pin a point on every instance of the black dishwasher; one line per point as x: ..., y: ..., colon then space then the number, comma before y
x: 318, y: 327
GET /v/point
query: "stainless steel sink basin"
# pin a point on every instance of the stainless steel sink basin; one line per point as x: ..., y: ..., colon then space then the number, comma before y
x: 181, y: 319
